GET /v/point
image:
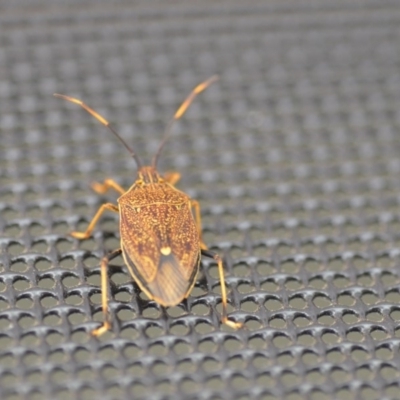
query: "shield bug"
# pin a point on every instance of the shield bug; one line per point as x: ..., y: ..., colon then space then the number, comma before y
x: 160, y: 228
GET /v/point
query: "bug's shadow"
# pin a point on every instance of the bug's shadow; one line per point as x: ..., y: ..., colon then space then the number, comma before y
x: 201, y: 281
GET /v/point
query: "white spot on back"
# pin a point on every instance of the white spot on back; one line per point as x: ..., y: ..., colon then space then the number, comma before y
x: 166, y: 251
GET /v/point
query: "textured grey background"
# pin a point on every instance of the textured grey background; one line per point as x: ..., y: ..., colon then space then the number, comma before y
x: 294, y: 156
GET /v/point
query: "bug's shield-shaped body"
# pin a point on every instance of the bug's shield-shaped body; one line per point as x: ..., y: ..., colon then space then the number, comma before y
x: 160, y: 241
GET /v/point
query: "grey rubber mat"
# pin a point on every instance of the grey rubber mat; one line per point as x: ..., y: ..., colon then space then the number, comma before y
x: 294, y: 156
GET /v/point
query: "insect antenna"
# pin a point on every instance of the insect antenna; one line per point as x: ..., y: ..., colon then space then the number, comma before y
x: 104, y: 122
x: 179, y: 113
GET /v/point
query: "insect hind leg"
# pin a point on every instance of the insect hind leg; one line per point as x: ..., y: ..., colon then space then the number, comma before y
x: 104, y: 293
x: 218, y: 259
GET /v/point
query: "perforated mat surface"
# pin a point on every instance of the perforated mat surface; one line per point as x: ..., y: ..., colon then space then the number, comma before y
x: 294, y: 156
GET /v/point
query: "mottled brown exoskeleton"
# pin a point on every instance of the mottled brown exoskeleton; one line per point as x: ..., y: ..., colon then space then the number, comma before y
x: 160, y: 229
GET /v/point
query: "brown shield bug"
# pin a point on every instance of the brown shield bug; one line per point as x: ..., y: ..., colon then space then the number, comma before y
x: 160, y: 228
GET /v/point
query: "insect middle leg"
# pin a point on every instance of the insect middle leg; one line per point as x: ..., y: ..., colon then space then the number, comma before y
x: 218, y: 259
x: 87, y: 233
x: 197, y: 216
x: 106, y: 185
x: 104, y: 292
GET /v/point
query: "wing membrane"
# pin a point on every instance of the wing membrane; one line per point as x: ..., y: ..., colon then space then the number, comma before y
x: 170, y: 285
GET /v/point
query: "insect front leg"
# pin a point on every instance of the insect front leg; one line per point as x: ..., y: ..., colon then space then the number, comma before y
x: 106, y: 185
x: 172, y: 177
x: 104, y: 292
x: 87, y: 233
x: 218, y: 259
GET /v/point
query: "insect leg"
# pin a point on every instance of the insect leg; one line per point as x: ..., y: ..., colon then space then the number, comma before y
x: 197, y: 216
x: 107, y: 184
x: 104, y: 292
x: 87, y: 233
x: 172, y: 177
x: 218, y: 259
